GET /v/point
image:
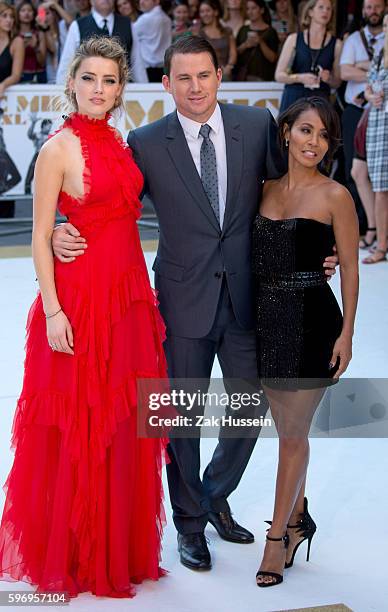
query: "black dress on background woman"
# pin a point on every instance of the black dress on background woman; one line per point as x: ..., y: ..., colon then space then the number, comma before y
x: 306, y: 59
x: 298, y: 318
x: 5, y: 63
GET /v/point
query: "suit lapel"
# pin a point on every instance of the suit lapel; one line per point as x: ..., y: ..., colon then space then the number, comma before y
x: 180, y: 154
x: 234, y: 161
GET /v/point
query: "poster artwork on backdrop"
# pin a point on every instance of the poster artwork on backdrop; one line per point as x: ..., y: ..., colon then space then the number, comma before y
x: 28, y: 116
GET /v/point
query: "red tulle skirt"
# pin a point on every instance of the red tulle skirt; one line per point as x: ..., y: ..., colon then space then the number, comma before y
x: 83, y: 508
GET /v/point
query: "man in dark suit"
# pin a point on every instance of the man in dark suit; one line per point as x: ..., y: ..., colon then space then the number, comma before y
x: 202, y: 268
x: 203, y: 167
x: 102, y: 21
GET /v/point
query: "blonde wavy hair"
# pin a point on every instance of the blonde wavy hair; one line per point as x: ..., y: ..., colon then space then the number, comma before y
x: 97, y: 46
x: 306, y: 19
x: 4, y: 6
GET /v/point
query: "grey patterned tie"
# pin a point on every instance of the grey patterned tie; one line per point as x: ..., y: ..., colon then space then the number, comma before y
x: 104, y: 29
x: 209, y: 176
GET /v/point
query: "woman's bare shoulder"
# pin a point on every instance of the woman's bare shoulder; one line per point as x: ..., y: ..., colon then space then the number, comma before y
x: 61, y: 141
x: 336, y: 191
x: 270, y: 186
x: 290, y: 41
x: 17, y: 44
x: 60, y: 148
x: 337, y: 197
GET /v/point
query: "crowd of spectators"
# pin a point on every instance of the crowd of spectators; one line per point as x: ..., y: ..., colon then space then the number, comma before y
x: 248, y: 36
x: 312, y: 46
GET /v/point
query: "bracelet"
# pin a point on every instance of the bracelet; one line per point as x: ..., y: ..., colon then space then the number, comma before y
x: 53, y: 315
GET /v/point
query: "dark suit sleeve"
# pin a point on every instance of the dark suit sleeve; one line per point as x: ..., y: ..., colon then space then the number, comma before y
x: 275, y: 160
x: 134, y: 144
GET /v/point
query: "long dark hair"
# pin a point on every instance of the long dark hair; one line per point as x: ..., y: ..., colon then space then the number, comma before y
x: 18, y: 9
x: 216, y: 6
x: 266, y: 14
x: 328, y: 116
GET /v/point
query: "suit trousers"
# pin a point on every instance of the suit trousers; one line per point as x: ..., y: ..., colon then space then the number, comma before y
x: 193, y: 358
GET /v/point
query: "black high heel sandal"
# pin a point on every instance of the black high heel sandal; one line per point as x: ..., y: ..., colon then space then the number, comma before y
x: 278, y: 578
x: 306, y: 528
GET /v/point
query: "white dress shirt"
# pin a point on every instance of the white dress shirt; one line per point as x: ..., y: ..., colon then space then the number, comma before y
x: 73, y: 40
x: 154, y: 32
x: 353, y: 52
x: 217, y: 136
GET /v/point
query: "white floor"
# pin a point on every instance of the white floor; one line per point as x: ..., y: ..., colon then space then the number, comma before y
x: 347, y: 490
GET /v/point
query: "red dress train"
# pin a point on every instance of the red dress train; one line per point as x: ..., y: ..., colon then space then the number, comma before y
x: 83, y: 509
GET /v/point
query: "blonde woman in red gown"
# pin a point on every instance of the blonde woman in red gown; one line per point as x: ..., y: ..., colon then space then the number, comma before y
x: 83, y: 507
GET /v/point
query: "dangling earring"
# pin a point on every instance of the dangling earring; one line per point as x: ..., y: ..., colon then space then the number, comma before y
x: 286, y: 142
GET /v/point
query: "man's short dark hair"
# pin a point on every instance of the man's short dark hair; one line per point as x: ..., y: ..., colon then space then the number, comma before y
x: 189, y: 44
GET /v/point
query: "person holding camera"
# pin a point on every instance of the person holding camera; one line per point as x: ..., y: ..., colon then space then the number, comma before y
x: 257, y: 45
x: 308, y: 63
x: 34, y: 69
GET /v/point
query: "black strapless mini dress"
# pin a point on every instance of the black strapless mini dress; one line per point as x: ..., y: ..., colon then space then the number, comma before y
x: 298, y: 318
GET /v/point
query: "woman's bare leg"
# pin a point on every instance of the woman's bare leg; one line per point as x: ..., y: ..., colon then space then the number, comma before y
x: 381, y: 198
x: 299, y: 503
x: 292, y: 412
x: 361, y: 178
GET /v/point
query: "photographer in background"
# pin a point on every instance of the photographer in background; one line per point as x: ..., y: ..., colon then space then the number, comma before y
x: 358, y: 51
x: 34, y: 69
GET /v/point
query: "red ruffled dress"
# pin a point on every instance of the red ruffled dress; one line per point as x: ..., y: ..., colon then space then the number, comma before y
x: 83, y: 508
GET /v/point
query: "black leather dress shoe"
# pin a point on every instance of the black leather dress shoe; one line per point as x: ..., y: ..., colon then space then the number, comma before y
x: 228, y: 529
x: 194, y: 552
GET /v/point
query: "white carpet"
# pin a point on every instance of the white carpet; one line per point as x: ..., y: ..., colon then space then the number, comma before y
x: 346, y: 489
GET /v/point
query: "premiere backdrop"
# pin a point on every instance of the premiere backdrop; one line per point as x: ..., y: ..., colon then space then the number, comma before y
x: 28, y: 116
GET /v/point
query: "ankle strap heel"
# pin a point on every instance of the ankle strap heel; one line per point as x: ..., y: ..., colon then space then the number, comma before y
x: 284, y: 539
x: 276, y: 578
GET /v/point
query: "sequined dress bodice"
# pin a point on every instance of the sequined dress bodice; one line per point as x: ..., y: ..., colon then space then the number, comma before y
x: 297, y: 316
x: 284, y: 247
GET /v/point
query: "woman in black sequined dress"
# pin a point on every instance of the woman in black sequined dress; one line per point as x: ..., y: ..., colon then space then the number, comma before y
x: 303, y: 342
